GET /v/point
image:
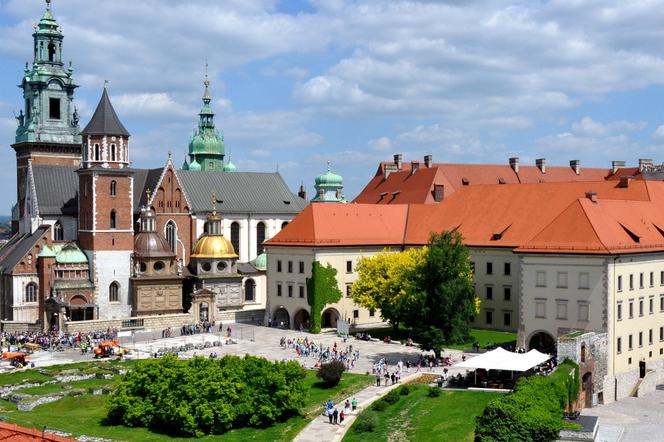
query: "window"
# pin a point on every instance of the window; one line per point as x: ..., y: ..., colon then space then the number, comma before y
x: 630, y: 342
x: 661, y: 303
x: 661, y: 333
x: 540, y: 279
x: 54, y: 108
x: 651, y: 305
x: 583, y: 352
x: 349, y: 266
x: 114, y: 292
x: 372, y: 312
x: 51, y: 52
x: 249, y: 290
x: 650, y: 336
x: 641, y: 280
x: 561, y: 282
x: 114, y: 188
x: 508, y: 269
x: 113, y: 219
x: 584, y: 280
x: 290, y: 291
x: 31, y: 292
x: 278, y: 289
x: 540, y: 308
x: 279, y: 266
x: 96, y: 152
x: 640, y: 306
x: 661, y: 277
x: 290, y: 266
x: 652, y: 279
x: 620, y: 283
x: 301, y: 265
x: 489, y: 317
x: 58, y: 235
x: 172, y: 235
x: 301, y: 289
x: 507, y: 319
x: 640, y: 339
x: 489, y: 268
x: 619, y: 312
x: 561, y: 309
x: 112, y: 152
x: 356, y: 314
x: 631, y: 309
x: 260, y: 237
x: 348, y: 286
x: 619, y: 345
x: 584, y: 310
x: 631, y: 282
x: 235, y: 237
x: 489, y: 292
x: 507, y: 293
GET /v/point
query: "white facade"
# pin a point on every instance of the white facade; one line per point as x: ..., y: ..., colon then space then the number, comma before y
x: 23, y: 309
x: 109, y: 267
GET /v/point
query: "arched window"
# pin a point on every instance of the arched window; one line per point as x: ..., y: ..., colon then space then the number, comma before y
x: 113, y: 220
x: 114, y: 186
x: 96, y: 152
x: 249, y: 290
x: 58, y: 235
x: 112, y: 152
x: 31, y: 292
x: 235, y: 236
x: 260, y: 237
x: 284, y: 224
x: 114, y: 292
x: 51, y: 52
x: 172, y: 235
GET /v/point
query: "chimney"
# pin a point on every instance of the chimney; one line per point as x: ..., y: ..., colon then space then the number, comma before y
x: 428, y: 160
x: 615, y: 165
x: 514, y: 164
x: 302, y: 193
x: 398, y: 160
x: 414, y: 165
x: 541, y: 164
x: 644, y: 163
x: 625, y: 180
x: 576, y: 166
x: 388, y: 169
x: 592, y: 196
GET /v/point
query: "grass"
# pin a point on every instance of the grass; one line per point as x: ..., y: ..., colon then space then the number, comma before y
x: 417, y: 417
x: 85, y: 414
x: 19, y: 377
x: 85, y: 384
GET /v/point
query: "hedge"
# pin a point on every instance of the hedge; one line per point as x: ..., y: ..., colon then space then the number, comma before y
x: 532, y: 412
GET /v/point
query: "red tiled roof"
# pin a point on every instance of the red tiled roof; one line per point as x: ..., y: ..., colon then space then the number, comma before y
x: 15, y: 433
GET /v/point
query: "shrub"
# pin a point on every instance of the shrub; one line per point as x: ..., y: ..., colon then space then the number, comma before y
x: 207, y: 396
x: 379, y: 405
x: 366, y: 422
x: 392, y: 397
x: 331, y: 372
x: 434, y: 392
x: 404, y: 390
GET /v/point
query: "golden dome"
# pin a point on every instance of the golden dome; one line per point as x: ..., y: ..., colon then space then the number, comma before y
x: 213, y: 246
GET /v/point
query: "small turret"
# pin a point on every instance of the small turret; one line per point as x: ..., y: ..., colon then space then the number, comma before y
x: 329, y: 187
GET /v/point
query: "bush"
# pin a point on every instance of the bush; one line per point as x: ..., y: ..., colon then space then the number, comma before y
x: 404, y: 390
x: 331, y: 372
x: 366, y: 422
x: 202, y: 396
x: 392, y: 397
x: 379, y: 405
x: 434, y: 392
x: 533, y: 411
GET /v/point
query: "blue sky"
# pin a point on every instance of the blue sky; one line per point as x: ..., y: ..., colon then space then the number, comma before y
x: 297, y: 83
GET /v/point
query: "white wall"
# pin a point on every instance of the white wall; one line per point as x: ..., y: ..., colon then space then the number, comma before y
x: 112, y: 266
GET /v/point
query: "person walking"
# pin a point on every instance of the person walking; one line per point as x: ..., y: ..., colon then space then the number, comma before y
x: 341, y: 417
x: 335, y: 415
x: 377, y: 379
x: 354, y: 404
x: 329, y: 415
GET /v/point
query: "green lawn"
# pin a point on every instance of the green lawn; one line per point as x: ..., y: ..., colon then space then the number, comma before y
x: 85, y: 414
x: 417, y: 417
x: 484, y: 337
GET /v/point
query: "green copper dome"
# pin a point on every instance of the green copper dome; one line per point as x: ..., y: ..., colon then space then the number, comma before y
x: 70, y: 254
x: 194, y: 165
x: 185, y: 165
x: 46, y: 252
x: 230, y: 167
x: 329, y: 179
x: 329, y: 187
x: 261, y: 262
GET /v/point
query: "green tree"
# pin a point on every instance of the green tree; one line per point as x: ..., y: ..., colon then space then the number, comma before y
x: 322, y: 289
x: 447, y: 300
x: 389, y: 282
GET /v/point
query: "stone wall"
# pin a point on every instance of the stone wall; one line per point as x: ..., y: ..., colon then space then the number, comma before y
x: 15, y: 326
x: 654, y: 376
x: 149, y: 323
x: 589, y: 351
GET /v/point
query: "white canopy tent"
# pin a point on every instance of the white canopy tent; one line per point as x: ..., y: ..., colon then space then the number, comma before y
x: 501, y: 359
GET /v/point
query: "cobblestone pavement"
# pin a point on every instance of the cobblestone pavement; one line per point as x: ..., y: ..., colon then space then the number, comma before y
x: 631, y: 419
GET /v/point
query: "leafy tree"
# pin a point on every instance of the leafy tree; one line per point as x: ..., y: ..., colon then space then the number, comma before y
x: 389, y: 281
x: 322, y: 289
x: 447, y: 300
x: 331, y: 372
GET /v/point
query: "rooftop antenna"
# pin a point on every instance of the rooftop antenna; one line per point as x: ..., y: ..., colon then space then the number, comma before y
x: 105, y: 84
x: 328, y: 165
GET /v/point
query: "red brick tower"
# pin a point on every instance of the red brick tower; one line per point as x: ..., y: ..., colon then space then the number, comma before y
x: 105, y: 202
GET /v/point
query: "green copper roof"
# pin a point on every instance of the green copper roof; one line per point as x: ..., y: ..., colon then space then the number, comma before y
x: 329, y: 187
x: 230, y: 167
x: 261, y: 262
x: 185, y: 165
x: 194, y: 165
x: 206, y: 140
x: 47, y: 24
x: 46, y: 252
x: 70, y: 254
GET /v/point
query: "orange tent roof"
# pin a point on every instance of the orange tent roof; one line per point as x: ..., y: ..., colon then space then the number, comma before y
x: 15, y: 433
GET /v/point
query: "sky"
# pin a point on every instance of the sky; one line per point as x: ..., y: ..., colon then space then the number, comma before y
x: 297, y: 83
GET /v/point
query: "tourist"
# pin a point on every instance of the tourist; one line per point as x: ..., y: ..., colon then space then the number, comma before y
x: 329, y: 415
x: 341, y: 417
x: 335, y: 415
x: 393, y: 377
x: 377, y: 379
x: 354, y: 404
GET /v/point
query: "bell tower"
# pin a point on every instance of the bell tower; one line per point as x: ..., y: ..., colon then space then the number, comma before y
x: 47, y: 130
x: 105, y: 208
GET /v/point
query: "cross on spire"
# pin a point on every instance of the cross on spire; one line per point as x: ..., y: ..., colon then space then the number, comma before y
x: 147, y: 193
x: 48, y: 4
x: 214, y: 202
x: 328, y: 165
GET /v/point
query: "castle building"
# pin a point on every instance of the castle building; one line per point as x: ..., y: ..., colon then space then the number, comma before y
x: 95, y: 238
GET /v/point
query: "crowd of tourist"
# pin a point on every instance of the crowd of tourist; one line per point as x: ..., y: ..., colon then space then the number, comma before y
x: 319, y: 354
x: 56, y: 340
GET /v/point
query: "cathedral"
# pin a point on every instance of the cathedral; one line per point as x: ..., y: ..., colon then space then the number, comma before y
x: 97, y: 239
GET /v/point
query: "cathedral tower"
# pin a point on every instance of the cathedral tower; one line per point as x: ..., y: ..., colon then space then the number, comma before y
x: 48, y: 130
x: 105, y: 207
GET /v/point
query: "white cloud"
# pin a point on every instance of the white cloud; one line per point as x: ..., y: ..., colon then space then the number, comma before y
x: 382, y: 144
x: 150, y: 104
x: 659, y: 133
